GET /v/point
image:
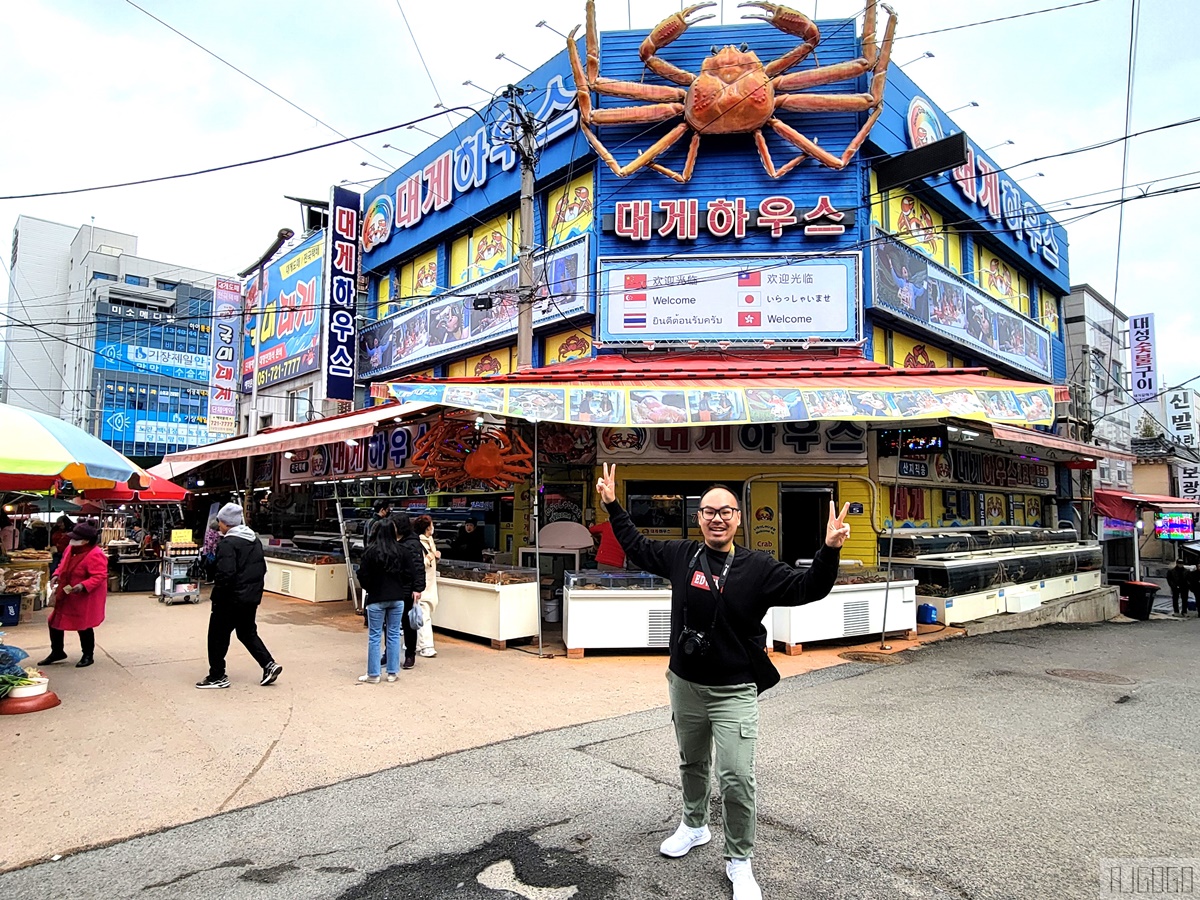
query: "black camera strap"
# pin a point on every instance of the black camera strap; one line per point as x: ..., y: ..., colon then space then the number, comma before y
x: 717, y: 587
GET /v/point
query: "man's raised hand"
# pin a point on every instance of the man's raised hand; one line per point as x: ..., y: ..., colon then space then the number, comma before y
x: 838, y: 529
x: 606, y: 484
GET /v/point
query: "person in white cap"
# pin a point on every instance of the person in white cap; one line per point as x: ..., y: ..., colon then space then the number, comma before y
x: 240, y: 571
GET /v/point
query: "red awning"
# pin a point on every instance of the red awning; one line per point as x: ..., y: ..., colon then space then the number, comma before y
x: 159, y: 491
x: 1016, y: 434
x: 1128, y: 507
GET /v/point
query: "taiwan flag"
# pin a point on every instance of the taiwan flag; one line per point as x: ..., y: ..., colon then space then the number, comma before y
x: 635, y: 282
x: 749, y: 320
x: 749, y: 279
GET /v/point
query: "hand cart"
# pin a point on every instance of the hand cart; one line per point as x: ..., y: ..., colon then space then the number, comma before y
x: 177, y: 581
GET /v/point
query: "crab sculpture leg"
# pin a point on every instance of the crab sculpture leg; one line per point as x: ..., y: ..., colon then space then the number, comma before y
x: 874, y: 60
x: 665, y: 102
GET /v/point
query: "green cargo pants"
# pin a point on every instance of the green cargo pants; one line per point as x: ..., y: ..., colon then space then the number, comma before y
x: 729, y: 716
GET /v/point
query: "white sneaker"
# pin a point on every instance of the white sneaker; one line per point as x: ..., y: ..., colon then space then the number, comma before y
x: 744, y: 885
x: 684, y: 839
x: 369, y: 679
x: 427, y: 652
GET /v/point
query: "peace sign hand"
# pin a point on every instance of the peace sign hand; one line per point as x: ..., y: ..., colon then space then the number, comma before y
x: 606, y: 484
x: 838, y: 529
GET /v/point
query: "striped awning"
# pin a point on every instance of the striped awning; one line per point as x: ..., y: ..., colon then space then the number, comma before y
x: 681, y: 390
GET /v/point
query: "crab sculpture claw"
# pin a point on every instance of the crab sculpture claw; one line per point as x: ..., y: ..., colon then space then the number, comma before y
x: 670, y: 28
x: 784, y: 18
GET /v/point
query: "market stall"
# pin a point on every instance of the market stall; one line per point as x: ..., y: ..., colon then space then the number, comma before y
x: 499, y: 603
x: 317, y: 576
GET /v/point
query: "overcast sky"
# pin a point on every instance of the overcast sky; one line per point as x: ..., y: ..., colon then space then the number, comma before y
x: 96, y: 91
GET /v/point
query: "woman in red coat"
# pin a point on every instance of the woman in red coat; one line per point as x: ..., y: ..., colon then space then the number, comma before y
x: 82, y: 590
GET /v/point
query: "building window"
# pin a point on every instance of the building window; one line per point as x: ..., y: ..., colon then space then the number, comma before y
x: 166, y: 285
x: 137, y: 280
x: 264, y: 422
x: 300, y: 405
x: 103, y: 276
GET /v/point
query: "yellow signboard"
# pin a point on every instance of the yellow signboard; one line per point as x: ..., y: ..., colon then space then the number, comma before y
x: 568, y: 346
x: 181, y: 535
x: 570, y: 210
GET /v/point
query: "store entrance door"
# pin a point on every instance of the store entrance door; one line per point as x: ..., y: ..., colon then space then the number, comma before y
x: 803, y: 515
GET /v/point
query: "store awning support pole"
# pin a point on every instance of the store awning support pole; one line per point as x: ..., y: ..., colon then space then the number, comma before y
x: 337, y: 502
x: 537, y: 539
x: 887, y: 584
x: 1137, y: 555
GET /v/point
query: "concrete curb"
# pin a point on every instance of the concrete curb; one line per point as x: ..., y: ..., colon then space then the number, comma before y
x: 1099, y: 605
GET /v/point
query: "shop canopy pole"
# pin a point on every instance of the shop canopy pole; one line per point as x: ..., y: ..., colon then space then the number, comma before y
x: 887, y: 584
x: 537, y: 538
x: 337, y: 503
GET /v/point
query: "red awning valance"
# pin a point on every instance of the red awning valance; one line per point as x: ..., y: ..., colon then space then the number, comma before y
x: 1127, y: 507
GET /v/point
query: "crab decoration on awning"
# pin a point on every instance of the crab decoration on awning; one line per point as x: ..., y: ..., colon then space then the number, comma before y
x: 454, y: 452
x: 734, y: 93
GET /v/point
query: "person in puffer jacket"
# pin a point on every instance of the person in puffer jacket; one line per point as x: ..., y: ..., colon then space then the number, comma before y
x: 240, y: 571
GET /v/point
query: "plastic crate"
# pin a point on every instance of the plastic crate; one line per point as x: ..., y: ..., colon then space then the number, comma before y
x: 10, y: 609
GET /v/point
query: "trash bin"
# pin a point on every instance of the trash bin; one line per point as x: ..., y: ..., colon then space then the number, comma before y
x: 1137, y: 598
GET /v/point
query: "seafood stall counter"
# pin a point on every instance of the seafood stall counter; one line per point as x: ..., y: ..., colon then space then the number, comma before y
x: 317, y: 576
x: 970, y: 573
x: 499, y: 603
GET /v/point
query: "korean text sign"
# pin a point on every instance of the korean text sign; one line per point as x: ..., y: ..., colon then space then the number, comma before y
x: 289, y: 326
x: 341, y: 278
x: 1143, y: 364
x: 223, y: 380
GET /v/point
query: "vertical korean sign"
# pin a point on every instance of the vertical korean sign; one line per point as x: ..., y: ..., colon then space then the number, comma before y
x: 222, y: 384
x: 1141, y: 357
x: 1181, y: 418
x: 341, y: 277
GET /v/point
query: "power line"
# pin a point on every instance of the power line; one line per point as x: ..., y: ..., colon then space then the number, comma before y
x: 238, y: 165
x: 1034, y: 12
x: 246, y: 74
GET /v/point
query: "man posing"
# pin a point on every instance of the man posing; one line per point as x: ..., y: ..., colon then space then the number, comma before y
x: 240, y: 571
x: 718, y: 655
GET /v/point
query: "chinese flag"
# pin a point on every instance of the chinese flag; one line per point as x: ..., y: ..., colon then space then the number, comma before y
x: 749, y: 279
x: 635, y: 282
x: 749, y: 319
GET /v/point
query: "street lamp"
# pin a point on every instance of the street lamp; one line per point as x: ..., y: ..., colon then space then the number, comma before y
x: 543, y: 24
x: 1001, y: 144
x: 964, y: 106
x: 470, y: 83
x: 373, y: 166
x: 514, y: 62
x: 422, y: 130
x: 1028, y: 177
x: 925, y: 55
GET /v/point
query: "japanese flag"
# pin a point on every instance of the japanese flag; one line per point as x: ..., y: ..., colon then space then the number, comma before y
x: 749, y: 300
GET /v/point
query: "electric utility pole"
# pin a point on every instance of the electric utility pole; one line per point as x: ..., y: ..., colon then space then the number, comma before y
x: 524, y: 135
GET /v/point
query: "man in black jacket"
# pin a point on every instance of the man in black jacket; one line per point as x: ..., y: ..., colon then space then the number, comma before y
x: 718, y: 659
x: 1177, y: 581
x: 240, y: 570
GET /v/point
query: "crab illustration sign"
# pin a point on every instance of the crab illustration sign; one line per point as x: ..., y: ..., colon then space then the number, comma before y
x: 734, y: 92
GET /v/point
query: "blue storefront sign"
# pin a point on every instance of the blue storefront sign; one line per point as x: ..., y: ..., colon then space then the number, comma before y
x: 289, y: 336
x: 341, y: 278
x: 980, y: 189
x: 133, y: 358
x: 470, y: 169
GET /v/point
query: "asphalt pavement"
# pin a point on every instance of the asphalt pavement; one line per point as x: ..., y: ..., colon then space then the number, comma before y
x: 1001, y: 766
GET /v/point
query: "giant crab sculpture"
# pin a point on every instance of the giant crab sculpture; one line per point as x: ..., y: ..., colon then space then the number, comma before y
x: 735, y: 92
x: 454, y: 452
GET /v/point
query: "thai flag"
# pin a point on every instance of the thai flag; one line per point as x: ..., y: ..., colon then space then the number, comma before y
x: 635, y: 320
x: 749, y: 279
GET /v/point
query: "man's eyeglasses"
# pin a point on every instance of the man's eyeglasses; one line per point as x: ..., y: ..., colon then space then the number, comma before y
x: 707, y: 513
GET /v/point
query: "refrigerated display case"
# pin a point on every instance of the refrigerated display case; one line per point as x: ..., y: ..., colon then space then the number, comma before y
x: 863, y: 601
x: 318, y: 576
x: 499, y: 603
x: 615, y: 610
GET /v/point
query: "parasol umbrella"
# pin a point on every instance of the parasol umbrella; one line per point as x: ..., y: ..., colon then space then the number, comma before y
x: 159, y: 491
x: 37, y: 450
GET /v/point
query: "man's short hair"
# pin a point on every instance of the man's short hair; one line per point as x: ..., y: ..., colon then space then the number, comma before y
x: 720, y: 487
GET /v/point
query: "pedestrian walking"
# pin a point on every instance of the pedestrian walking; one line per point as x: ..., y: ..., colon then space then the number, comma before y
x: 423, y: 526
x: 1177, y: 581
x: 81, y: 590
x: 390, y: 573
x: 718, y: 662
x: 208, y: 550
x: 1193, y: 581
x: 383, y: 509
x: 240, y: 571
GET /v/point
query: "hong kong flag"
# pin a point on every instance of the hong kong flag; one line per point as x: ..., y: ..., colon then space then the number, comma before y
x: 749, y: 320
x: 635, y: 282
x: 749, y: 279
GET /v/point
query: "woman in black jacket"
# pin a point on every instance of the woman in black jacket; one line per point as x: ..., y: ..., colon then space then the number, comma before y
x: 392, y: 572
